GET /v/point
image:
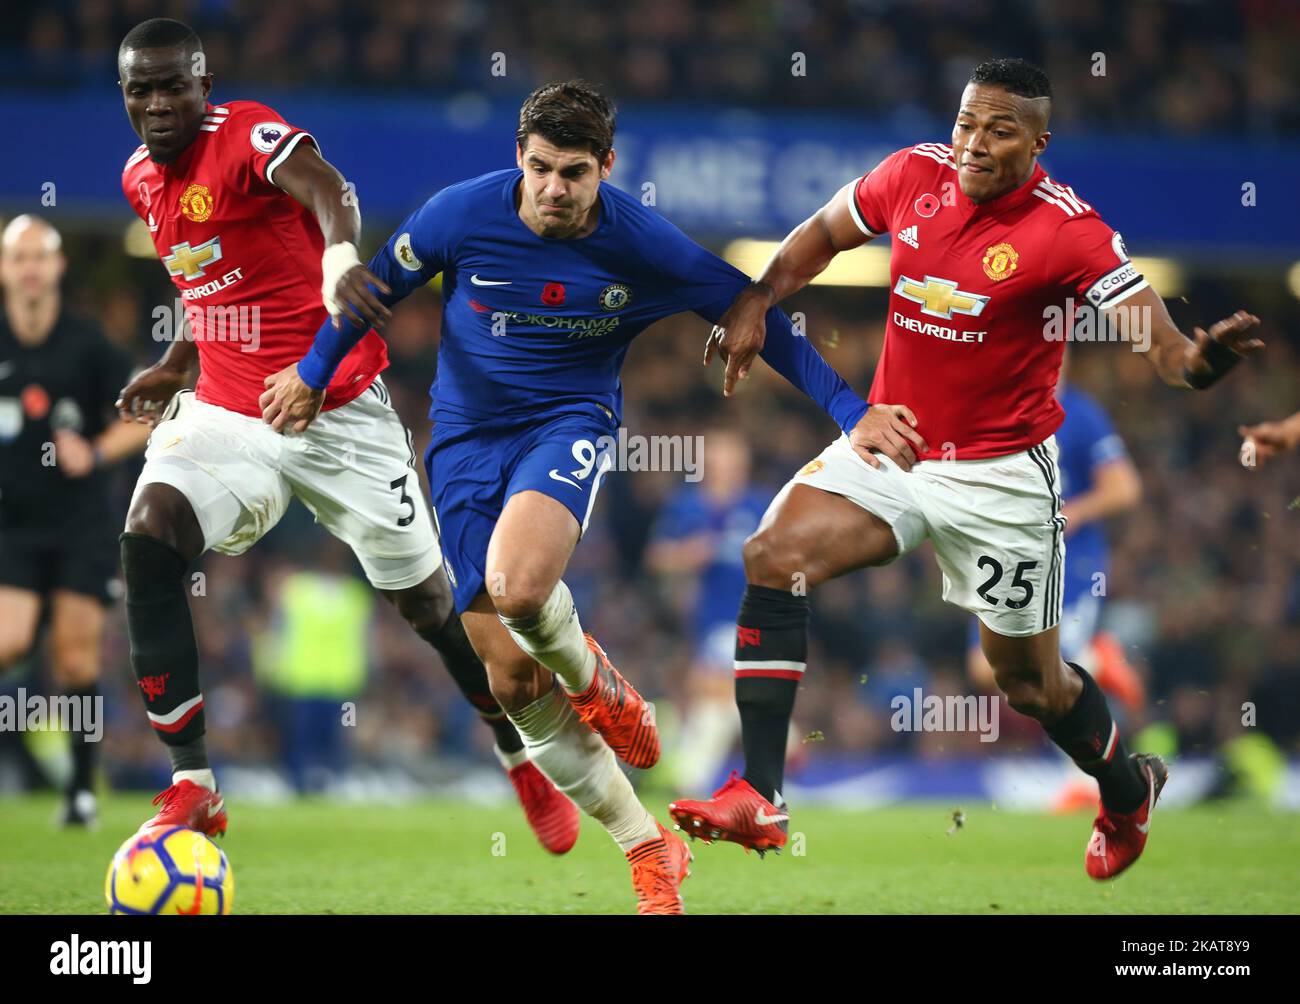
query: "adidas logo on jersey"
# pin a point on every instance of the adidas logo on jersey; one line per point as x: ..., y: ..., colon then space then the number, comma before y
x: 908, y: 236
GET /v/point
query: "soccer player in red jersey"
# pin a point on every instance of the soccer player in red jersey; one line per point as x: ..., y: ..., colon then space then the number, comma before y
x: 989, y: 256
x: 256, y: 230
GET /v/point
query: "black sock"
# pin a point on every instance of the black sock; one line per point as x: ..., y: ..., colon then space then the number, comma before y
x: 1090, y: 738
x: 192, y: 755
x: 164, y: 655
x: 468, y: 671
x: 84, y: 752
x: 772, y: 627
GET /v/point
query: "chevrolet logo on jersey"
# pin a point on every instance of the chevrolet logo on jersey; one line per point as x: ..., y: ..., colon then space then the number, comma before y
x: 190, y: 262
x: 940, y: 297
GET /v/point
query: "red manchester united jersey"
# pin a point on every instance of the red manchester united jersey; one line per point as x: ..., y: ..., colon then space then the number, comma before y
x: 982, y: 296
x: 245, y: 256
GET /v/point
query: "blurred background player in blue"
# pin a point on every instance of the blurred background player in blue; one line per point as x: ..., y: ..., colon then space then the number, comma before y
x: 696, y: 549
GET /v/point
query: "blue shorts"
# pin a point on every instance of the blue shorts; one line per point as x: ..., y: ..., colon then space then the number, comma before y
x: 474, y: 468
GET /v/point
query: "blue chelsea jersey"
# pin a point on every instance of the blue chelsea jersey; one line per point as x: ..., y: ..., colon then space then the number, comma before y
x: 1086, y: 441
x: 692, y: 511
x: 534, y: 324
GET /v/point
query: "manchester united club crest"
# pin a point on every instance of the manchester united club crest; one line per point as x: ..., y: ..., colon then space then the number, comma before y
x: 196, y: 203
x: 1000, y: 261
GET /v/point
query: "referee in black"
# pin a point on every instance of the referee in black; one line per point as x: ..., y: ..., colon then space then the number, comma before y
x: 59, y: 378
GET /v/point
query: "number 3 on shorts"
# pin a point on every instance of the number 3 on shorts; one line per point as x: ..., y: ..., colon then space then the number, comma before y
x: 996, y: 571
x: 400, y: 485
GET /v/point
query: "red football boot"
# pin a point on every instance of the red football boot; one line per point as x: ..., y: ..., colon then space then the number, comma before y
x: 611, y: 707
x: 188, y: 804
x: 736, y: 812
x: 553, y: 817
x: 1119, y: 837
x: 659, y: 867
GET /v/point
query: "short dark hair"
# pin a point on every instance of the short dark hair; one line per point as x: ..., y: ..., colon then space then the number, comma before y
x: 161, y: 33
x: 1014, y: 75
x: 569, y: 114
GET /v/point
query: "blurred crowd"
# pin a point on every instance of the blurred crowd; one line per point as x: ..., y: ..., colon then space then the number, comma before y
x: 1204, y: 588
x: 1173, y: 66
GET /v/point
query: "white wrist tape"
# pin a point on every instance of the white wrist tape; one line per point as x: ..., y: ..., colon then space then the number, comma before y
x: 336, y: 260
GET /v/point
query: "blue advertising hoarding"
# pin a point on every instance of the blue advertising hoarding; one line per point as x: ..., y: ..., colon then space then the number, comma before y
x: 716, y: 172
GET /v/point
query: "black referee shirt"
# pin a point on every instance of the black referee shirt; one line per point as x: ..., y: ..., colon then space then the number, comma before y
x: 69, y: 381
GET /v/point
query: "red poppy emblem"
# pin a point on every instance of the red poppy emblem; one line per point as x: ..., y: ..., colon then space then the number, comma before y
x: 927, y: 205
x: 36, y: 402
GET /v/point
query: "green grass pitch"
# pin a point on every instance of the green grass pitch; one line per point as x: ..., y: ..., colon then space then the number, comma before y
x: 443, y: 856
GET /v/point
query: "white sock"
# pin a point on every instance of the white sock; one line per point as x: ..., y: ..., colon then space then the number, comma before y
x: 510, y: 761
x: 579, y: 763
x: 203, y: 778
x: 553, y: 636
x: 711, y: 727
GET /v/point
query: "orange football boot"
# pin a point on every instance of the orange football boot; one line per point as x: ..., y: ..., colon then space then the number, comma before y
x: 659, y: 867
x: 1114, y: 674
x: 611, y: 707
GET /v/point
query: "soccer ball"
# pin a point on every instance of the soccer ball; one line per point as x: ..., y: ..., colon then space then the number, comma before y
x: 169, y: 870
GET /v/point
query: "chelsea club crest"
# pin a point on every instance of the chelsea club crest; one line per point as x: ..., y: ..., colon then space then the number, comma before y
x: 615, y: 296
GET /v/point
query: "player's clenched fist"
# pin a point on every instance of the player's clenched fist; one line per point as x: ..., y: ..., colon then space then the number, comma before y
x: 289, y: 403
x: 348, y: 288
x: 75, y: 456
x: 889, y: 429
x: 143, y: 399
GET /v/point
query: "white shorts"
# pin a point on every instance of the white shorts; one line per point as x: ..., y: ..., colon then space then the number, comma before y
x: 354, y: 468
x: 997, y: 527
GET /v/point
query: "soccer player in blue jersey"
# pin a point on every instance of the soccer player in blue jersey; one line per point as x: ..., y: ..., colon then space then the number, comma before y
x: 698, y: 540
x: 1098, y: 480
x: 548, y: 275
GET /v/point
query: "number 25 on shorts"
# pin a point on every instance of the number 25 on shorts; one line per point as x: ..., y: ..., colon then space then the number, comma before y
x: 1018, y: 580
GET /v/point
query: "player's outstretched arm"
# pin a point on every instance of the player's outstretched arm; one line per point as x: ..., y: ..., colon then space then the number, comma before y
x: 804, y: 254
x: 1262, y: 442
x: 1182, y: 361
x: 346, y: 283
x: 414, y: 254
x: 702, y: 282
